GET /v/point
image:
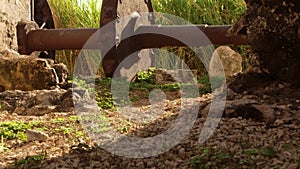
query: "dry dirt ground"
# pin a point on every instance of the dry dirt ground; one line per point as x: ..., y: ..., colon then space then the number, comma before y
x: 238, y: 142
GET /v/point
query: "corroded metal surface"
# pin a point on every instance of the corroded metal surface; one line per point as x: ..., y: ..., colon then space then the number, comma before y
x: 129, y: 12
x: 42, y: 15
x: 59, y: 39
x: 109, y: 15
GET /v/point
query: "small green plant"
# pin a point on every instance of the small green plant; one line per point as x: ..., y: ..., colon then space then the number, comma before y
x: 289, y: 146
x: 126, y: 124
x: 59, y: 120
x: 204, y: 81
x: 66, y: 130
x: 105, y: 100
x: 268, y: 152
x: 30, y: 161
x: 16, y: 130
x: 75, y: 118
x: 210, y: 158
x: 2, y: 145
x: 104, y: 96
x: 146, y: 76
x: 79, y: 134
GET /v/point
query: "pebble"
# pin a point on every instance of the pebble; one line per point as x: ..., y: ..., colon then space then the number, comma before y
x: 140, y: 164
x: 33, y: 135
x: 293, y: 166
x: 266, y: 96
x: 150, y: 163
x: 182, y: 153
x: 281, y: 86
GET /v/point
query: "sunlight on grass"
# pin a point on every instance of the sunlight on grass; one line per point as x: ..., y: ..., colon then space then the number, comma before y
x: 86, y: 14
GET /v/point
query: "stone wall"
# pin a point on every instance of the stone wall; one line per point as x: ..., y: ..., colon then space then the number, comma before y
x: 11, y: 12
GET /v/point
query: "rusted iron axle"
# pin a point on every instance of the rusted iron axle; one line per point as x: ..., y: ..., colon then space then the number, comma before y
x: 69, y: 39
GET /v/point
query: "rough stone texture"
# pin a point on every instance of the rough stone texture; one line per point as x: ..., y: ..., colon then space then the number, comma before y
x: 34, y: 135
x: 231, y: 61
x: 270, y: 105
x: 41, y: 102
x: 273, y: 30
x: 29, y: 72
x: 11, y: 12
x: 163, y: 76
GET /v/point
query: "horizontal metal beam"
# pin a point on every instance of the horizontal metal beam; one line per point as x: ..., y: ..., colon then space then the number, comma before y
x: 217, y: 34
x: 69, y: 39
x: 58, y: 39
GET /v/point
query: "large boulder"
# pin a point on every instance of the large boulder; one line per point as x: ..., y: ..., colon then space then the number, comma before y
x: 11, y: 12
x: 27, y: 73
x: 273, y: 31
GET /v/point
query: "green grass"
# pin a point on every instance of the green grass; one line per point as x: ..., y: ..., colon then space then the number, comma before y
x: 211, y: 12
x: 73, y: 14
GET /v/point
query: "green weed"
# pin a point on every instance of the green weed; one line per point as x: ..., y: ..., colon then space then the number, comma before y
x: 268, y: 152
x: 30, y: 161
x: 210, y: 158
x: 146, y: 76
x: 2, y: 145
x: 79, y: 134
x: 206, y: 86
x: 16, y: 130
x: 126, y: 124
x: 59, y: 120
x: 66, y: 130
x: 75, y: 118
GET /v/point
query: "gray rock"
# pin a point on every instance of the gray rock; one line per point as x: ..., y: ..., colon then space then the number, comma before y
x: 268, y: 113
x: 231, y: 61
x: 163, y: 76
x: 293, y: 166
x: 34, y: 135
x: 30, y: 73
x: 37, y: 102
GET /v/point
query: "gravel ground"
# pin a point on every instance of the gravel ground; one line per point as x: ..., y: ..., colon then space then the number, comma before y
x: 237, y: 142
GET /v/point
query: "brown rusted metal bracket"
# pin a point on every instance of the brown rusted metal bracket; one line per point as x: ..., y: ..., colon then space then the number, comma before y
x: 109, y: 15
x: 42, y: 15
